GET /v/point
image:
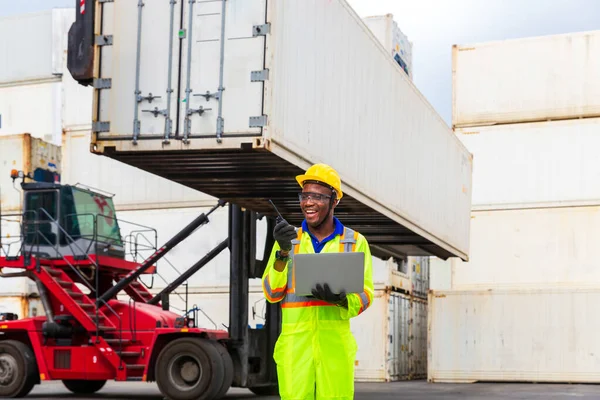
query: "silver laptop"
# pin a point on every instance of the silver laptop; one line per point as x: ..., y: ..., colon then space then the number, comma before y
x: 341, y: 271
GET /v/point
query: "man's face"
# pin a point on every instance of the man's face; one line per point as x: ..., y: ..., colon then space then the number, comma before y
x: 315, y: 203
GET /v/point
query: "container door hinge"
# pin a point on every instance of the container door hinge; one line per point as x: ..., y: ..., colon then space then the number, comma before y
x: 101, y: 126
x: 256, y: 122
x: 259, y: 76
x: 261, y: 30
x: 103, y: 40
x: 102, y: 83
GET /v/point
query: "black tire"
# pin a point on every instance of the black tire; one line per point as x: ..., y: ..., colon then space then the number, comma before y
x: 83, y: 387
x: 204, y: 369
x: 272, y: 390
x: 228, y: 365
x: 18, y: 369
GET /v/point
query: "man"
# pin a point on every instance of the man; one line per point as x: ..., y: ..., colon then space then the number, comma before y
x: 315, y: 352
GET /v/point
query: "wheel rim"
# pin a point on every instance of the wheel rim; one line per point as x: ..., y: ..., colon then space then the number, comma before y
x: 185, y: 372
x: 8, y: 369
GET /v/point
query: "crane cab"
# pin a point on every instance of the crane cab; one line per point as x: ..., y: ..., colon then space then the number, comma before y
x: 64, y: 220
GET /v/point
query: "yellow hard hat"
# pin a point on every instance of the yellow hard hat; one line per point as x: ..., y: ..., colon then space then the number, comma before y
x: 322, y: 173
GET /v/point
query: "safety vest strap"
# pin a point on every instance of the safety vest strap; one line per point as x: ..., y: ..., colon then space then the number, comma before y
x: 348, y: 240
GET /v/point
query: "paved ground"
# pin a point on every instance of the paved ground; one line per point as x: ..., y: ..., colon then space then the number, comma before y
x: 381, y: 391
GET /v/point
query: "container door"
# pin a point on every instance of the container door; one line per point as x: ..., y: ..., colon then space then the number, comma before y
x: 221, y: 87
x: 393, y: 348
x: 404, y: 307
x: 418, y: 339
x: 142, y: 65
x: 398, y: 353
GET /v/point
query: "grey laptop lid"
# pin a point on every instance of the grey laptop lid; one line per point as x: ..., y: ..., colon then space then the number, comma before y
x: 341, y: 271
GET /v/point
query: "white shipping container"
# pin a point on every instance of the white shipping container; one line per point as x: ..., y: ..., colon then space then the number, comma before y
x: 534, y: 248
x: 440, y: 274
x: 390, y: 36
x: 328, y: 92
x: 392, y: 339
x: 534, y: 164
x: 134, y: 189
x: 18, y: 112
x: 27, y: 154
x: 530, y: 79
x: 167, y: 223
x: 66, y: 107
x: 538, y: 335
x: 34, y: 47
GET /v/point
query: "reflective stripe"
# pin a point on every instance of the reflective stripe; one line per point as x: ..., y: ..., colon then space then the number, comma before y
x: 272, y: 294
x: 355, y: 241
x: 294, y: 301
x: 365, y: 300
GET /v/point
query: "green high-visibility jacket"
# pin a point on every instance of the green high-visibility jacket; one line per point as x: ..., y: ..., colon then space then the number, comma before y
x: 315, y: 352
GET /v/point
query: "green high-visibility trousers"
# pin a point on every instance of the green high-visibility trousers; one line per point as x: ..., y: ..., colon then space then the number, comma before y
x: 316, y: 350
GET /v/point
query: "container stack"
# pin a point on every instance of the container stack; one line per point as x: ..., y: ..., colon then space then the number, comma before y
x: 521, y: 308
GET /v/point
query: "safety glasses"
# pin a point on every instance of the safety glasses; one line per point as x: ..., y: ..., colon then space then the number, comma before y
x: 316, y: 197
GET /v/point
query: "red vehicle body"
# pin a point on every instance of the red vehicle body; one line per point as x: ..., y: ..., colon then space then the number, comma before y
x: 76, y: 256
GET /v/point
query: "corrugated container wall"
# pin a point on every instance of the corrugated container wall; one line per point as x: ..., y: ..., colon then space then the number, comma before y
x: 134, y: 189
x: 530, y: 79
x: 390, y: 36
x: 535, y: 164
x: 27, y: 154
x: 266, y: 120
x: 538, y: 335
x: 532, y: 248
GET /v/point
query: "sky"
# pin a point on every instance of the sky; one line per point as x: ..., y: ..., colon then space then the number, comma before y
x: 435, y: 25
